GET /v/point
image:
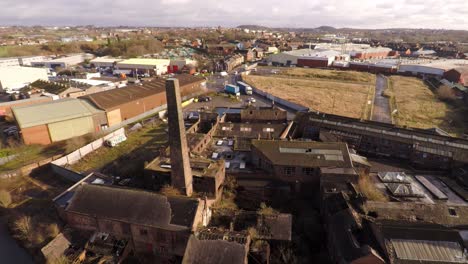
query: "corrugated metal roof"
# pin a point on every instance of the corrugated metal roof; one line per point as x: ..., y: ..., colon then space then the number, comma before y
x: 424, y: 250
x: 51, y: 112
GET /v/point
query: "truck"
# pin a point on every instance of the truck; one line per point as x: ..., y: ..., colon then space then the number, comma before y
x: 245, y: 88
x: 232, y: 89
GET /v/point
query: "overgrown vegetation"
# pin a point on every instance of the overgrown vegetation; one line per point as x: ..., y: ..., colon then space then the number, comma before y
x: 5, y: 198
x: 126, y: 48
x: 148, y: 139
x: 346, y: 95
x: 368, y: 188
x: 168, y: 190
x: 227, y: 200
x: 266, y: 210
x: 419, y: 107
x: 28, y: 154
x: 333, y: 75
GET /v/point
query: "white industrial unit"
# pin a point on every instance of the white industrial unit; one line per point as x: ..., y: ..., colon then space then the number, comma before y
x: 15, y: 78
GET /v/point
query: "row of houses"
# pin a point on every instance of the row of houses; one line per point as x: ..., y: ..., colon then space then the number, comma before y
x: 62, y: 119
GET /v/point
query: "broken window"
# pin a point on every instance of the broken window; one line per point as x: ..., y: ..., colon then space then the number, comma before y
x: 307, y: 171
x: 289, y: 170
x: 452, y: 212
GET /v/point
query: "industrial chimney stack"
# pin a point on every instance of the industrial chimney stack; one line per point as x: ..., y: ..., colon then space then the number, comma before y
x: 181, y: 173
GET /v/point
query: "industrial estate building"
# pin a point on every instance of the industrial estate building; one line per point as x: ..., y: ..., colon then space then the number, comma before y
x: 14, y: 78
x: 62, y: 62
x: 125, y: 103
x: 53, y: 121
x: 153, y: 66
x: 58, y: 120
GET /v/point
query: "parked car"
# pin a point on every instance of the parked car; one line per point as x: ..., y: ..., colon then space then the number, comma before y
x: 204, y: 99
x: 251, y: 100
x: 219, y: 143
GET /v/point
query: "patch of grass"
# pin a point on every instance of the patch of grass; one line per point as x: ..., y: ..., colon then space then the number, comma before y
x: 169, y: 190
x: 106, y: 155
x: 266, y: 210
x: 325, y: 95
x: 419, y: 107
x: 5, y: 198
x: 227, y: 201
x: 334, y: 75
x: 26, y: 155
x: 368, y: 188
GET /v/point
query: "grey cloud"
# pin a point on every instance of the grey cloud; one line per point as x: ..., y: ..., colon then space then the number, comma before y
x: 298, y: 13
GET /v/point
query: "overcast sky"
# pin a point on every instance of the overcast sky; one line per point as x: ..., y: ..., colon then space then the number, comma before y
x: 449, y: 14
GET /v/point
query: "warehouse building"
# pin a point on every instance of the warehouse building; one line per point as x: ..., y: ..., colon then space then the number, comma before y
x: 62, y: 62
x: 149, y: 66
x: 27, y: 61
x: 5, y: 107
x: 375, y: 66
x: 125, y: 103
x: 318, y: 58
x: 16, y: 77
x: 9, y: 62
x: 371, y: 53
x: 57, y: 120
x: 103, y: 62
x: 436, y: 68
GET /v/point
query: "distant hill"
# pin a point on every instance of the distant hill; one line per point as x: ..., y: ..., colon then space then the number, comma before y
x: 326, y: 28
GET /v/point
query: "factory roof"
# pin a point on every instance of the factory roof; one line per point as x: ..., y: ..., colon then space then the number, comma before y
x: 134, y: 206
x: 443, y: 64
x: 51, y: 112
x: 112, y: 98
x: 214, y: 249
x: 321, y: 53
x: 421, y: 242
x: 304, y: 153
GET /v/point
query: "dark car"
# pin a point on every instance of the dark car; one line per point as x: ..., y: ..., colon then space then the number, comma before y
x: 204, y: 99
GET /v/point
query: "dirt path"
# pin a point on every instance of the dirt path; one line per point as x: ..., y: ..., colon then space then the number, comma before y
x: 382, y: 110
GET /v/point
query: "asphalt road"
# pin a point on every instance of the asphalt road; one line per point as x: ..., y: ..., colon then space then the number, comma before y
x: 381, y: 111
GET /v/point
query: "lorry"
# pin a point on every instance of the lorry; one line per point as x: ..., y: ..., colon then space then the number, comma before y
x: 232, y: 89
x: 245, y: 88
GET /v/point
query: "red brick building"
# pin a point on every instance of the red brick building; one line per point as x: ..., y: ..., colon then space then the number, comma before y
x: 457, y: 75
x: 152, y: 223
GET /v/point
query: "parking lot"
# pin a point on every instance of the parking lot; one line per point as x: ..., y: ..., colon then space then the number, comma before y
x: 216, y: 84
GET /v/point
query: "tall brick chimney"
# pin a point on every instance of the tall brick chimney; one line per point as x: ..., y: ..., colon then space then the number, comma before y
x: 181, y: 173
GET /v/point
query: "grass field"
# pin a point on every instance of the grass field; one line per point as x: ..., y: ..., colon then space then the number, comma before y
x: 419, y: 107
x: 141, y: 146
x: 346, y: 76
x: 341, y: 93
